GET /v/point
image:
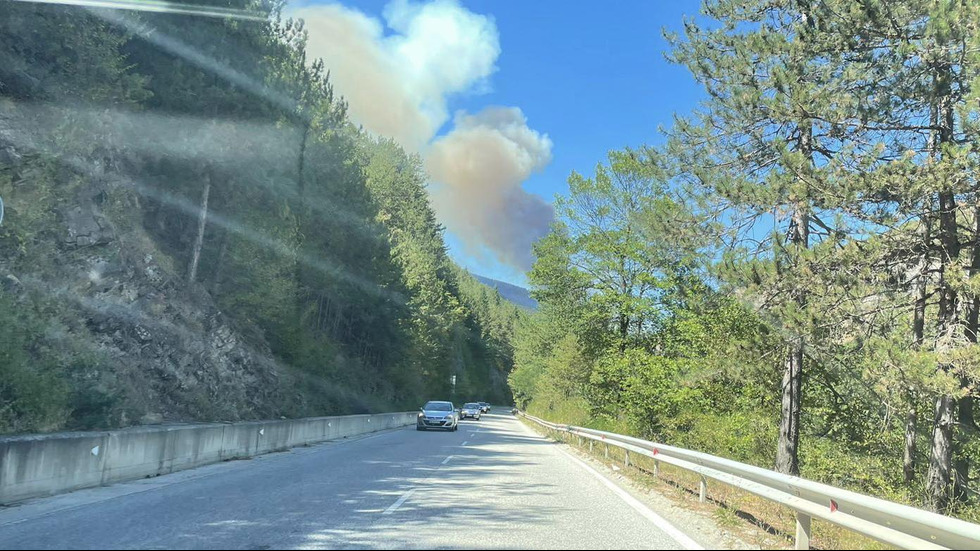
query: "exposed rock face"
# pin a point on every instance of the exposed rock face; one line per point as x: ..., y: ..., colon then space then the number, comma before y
x: 164, y: 351
x: 84, y: 223
x: 175, y: 349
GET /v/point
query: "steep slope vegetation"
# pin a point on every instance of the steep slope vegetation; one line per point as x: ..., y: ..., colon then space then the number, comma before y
x: 195, y: 231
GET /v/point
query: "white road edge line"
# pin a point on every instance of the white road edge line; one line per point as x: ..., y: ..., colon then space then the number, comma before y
x: 659, y: 521
x: 446, y: 460
x: 401, y: 501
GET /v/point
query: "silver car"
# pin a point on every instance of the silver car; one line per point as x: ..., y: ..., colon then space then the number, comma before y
x: 438, y: 415
x: 471, y: 410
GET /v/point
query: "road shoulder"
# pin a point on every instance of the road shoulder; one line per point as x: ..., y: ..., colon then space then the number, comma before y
x: 698, y: 525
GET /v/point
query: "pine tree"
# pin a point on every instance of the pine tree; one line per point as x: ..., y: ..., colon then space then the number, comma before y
x: 762, y: 147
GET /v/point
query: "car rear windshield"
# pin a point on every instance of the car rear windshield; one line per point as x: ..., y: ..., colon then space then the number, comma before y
x: 438, y: 406
x: 471, y: 406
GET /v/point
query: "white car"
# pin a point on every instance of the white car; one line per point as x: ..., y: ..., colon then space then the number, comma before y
x: 471, y: 410
x: 438, y: 415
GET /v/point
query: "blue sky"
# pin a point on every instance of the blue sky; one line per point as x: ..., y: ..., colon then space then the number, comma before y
x: 591, y: 76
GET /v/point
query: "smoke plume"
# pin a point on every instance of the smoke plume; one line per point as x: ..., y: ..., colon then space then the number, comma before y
x: 479, y: 168
x: 397, y: 76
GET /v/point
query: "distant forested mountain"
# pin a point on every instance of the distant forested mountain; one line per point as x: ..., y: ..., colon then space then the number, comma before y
x: 513, y: 293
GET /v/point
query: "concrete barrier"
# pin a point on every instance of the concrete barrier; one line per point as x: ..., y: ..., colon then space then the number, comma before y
x: 42, y: 465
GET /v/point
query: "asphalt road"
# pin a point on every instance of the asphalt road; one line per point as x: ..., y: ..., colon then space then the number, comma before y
x: 492, y: 484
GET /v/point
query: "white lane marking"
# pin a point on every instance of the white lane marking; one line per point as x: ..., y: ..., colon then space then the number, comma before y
x: 465, y: 442
x: 401, y: 501
x: 659, y: 521
x: 447, y: 460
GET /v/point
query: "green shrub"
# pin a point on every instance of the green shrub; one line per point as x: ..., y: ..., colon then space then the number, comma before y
x: 33, y: 395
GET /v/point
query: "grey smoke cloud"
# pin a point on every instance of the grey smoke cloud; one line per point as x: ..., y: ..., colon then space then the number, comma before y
x: 397, y: 76
x: 479, y: 168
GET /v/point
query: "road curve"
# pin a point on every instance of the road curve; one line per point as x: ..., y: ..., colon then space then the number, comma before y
x: 492, y: 484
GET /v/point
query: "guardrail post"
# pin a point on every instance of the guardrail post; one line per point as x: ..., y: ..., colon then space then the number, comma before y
x: 802, y: 531
x: 656, y: 468
x: 607, y: 451
x: 703, y: 490
x: 580, y: 441
x: 591, y: 445
x: 626, y: 459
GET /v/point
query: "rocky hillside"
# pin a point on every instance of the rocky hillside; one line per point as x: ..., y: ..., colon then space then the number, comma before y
x: 113, y: 333
x: 194, y: 230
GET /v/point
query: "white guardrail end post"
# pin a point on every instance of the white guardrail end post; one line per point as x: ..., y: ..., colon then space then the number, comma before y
x: 607, y: 451
x: 802, y: 531
x: 703, y: 490
x: 626, y: 458
x: 591, y: 442
x: 656, y: 468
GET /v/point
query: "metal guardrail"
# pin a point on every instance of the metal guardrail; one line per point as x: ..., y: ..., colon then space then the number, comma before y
x: 891, y: 523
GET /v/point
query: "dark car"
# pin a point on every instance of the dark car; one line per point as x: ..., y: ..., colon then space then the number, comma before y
x: 438, y: 415
x: 485, y: 406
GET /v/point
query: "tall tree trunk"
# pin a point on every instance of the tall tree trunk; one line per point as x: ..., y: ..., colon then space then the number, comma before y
x: 301, y: 162
x: 961, y: 466
x: 624, y: 320
x: 921, y: 291
x: 940, y: 459
x: 624, y: 331
x: 787, y: 452
x: 918, y: 336
x: 908, y: 458
x: 787, y: 447
x: 201, y: 224
x: 964, y: 406
x: 938, y: 478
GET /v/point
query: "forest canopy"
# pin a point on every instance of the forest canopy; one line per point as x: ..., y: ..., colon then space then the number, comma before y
x: 196, y: 230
